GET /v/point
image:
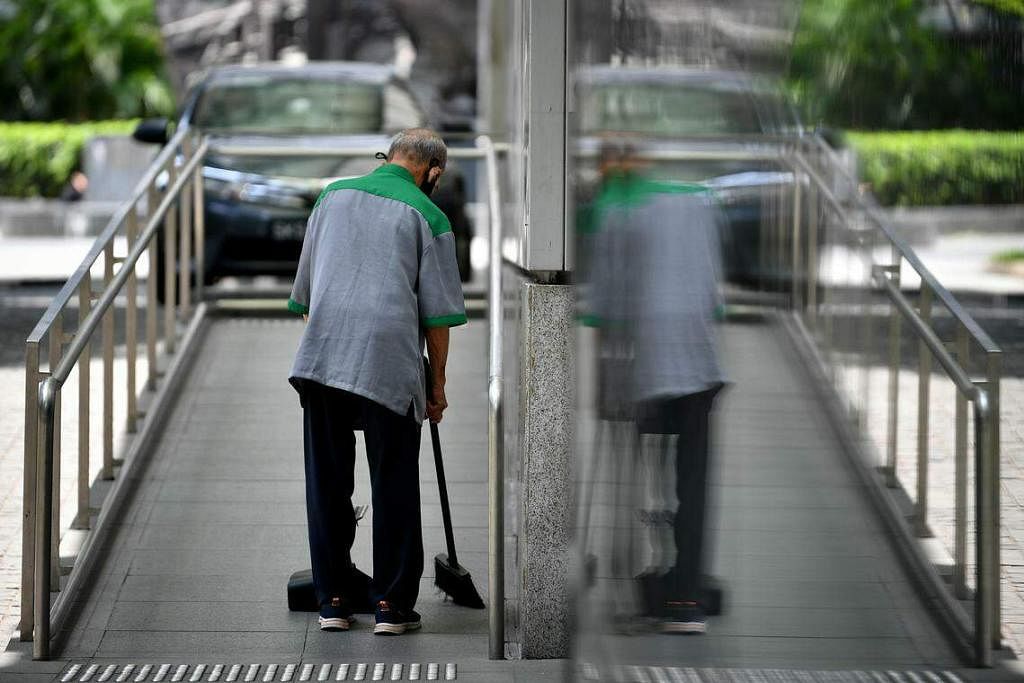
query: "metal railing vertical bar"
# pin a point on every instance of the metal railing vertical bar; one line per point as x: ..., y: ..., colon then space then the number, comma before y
x: 151, y: 296
x: 170, y: 276
x: 29, y: 512
x: 41, y: 574
x: 56, y: 341
x: 108, y: 368
x: 924, y: 378
x: 199, y: 225
x: 84, y: 404
x: 993, y: 374
x: 184, y: 216
x: 131, y: 341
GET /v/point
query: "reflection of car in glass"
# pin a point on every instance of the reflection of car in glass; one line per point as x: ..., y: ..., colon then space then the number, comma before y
x: 256, y: 207
x: 674, y: 108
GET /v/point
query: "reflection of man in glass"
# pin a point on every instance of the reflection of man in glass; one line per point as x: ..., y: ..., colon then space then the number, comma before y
x: 652, y: 283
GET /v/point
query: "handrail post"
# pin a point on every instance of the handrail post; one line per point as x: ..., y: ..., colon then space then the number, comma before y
x: 961, y: 352
x: 993, y: 373
x: 43, y: 529
x: 131, y: 326
x: 151, y: 294
x: 984, y: 595
x: 495, y: 427
x: 108, y: 369
x: 82, y: 518
x: 30, y: 508
x: 199, y: 224
x: 53, y: 502
x: 924, y: 378
x: 797, y: 303
x: 185, y: 242
x: 170, y: 261
x: 892, y: 431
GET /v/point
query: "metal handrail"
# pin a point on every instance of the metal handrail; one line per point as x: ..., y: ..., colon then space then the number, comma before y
x: 984, y: 396
x: 42, y: 406
x: 900, y: 244
x: 809, y: 186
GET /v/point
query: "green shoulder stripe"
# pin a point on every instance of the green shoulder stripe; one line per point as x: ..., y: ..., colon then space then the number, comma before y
x: 394, y: 182
x: 295, y: 307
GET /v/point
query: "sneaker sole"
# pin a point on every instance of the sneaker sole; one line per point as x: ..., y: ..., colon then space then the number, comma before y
x: 394, y: 629
x: 334, y: 624
x: 684, y: 627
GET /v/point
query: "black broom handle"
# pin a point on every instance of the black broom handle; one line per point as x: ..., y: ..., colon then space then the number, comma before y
x: 446, y: 513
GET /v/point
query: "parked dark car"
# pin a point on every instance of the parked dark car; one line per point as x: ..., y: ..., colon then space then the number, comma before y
x: 675, y: 109
x: 256, y: 207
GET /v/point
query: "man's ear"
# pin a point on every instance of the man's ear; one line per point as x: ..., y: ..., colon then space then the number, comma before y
x: 434, y: 173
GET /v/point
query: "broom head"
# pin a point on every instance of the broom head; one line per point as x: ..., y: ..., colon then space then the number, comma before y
x: 455, y: 581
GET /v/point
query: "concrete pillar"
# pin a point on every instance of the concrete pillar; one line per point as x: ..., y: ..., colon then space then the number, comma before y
x: 546, y: 399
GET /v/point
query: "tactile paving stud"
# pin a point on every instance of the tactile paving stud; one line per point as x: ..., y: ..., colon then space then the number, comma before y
x: 414, y: 671
x: 70, y: 673
x: 432, y: 670
x: 378, y: 671
x: 360, y: 674
x: 143, y: 673
x: 197, y: 673
x: 89, y: 672
x: 342, y: 673
x: 218, y: 669
x: 250, y: 675
x: 126, y: 672
x: 450, y: 673
x: 270, y: 673
x: 306, y: 673
x: 179, y: 673
x: 325, y: 672
x: 233, y: 673
x: 396, y: 672
x: 107, y: 673
x: 161, y: 673
x: 289, y: 673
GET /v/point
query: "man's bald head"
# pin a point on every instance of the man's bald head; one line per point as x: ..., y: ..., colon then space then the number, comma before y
x: 423, y: 153
x: 419, y: 146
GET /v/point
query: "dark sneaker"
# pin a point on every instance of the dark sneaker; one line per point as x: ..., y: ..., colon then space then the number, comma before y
x: 684, y: 617
x: 394, y: 621
x: 336, y: 615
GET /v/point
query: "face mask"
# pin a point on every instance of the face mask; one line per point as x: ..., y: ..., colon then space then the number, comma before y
x: 428, y: 185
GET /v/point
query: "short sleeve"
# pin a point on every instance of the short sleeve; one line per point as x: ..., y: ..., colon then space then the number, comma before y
x: 440, y: 289
x: 298, y: 302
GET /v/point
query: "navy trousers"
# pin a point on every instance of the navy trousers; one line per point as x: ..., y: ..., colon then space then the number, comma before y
x: 688, y: 417
x: 330, y: 418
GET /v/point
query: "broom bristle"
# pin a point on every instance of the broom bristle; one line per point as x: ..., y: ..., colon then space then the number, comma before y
x: 456, y: 582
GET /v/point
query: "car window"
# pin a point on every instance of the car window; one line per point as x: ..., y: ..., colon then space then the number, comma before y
x: 400, y: 109
x: 654, y: 109
x: 276, y: 105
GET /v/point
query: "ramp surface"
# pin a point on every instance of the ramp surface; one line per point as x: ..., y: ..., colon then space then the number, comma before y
x: 196, y: 573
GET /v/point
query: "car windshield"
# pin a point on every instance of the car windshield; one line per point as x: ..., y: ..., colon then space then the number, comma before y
x: 667, y: 110
x: 275, y: 105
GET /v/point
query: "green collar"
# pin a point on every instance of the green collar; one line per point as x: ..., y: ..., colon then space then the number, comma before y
x: 394, y: 170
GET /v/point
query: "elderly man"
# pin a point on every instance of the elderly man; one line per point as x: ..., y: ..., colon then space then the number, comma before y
x: 376, y: 278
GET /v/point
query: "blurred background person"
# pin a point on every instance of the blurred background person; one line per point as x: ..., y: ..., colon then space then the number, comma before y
x: 651, y: 284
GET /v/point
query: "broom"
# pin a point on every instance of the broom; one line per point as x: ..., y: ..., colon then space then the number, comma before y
x: 451, y: 577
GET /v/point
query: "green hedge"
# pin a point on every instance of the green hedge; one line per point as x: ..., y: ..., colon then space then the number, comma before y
x: 37, y: 158
x: 940, y: 168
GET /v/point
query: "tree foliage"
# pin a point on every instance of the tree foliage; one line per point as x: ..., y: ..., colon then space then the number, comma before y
x: 81, y: 59
x: 876, y: 64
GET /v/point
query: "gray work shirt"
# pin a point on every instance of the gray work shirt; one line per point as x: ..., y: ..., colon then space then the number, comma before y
x: 652, y: 286
x: 377, y: 267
